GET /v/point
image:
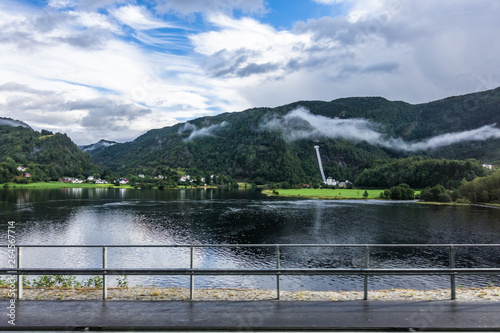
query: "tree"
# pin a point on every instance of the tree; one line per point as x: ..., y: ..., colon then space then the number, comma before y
x: 365, y: 194
x: 444, y: 197
x: 402, y: 192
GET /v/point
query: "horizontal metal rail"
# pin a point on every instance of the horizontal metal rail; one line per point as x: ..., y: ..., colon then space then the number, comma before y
x: 365, y: 271
x: 263, y: 245
x: 288, y: 271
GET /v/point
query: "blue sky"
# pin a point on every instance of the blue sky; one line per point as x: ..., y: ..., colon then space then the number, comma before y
x: 113, y: 69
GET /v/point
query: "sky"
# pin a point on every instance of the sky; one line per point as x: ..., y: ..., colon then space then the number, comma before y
x: 113, y: 69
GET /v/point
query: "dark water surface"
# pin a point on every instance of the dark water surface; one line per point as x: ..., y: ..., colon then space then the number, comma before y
x: 213, y: 216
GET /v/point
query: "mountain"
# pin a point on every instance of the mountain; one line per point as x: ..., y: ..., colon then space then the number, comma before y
x: 14, y: 123
x: 95, y: 147
x: 46, y: 156
x: 276, y: 144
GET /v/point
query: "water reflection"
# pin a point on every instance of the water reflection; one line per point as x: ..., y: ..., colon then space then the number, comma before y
x: 213, y: 216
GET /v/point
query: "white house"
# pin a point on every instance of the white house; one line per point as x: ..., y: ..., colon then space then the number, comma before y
x: 21, y: 168
x: 488, y: 166
x: 330, y: 181
x: 141, y: 175
x: 90, y: 178
x: 185, y: 178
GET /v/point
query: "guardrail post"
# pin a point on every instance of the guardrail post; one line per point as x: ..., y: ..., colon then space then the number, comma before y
x: 367, y: 264
x: 104, y: 277
x: 278, y: 275
x: 19, y: 277
x: 191, y: 284
x: 452, y: 265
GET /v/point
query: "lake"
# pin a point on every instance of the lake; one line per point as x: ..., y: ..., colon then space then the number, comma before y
x: 219, y: 216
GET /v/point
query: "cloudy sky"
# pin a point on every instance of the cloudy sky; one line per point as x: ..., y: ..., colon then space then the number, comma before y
x: 113, y: 69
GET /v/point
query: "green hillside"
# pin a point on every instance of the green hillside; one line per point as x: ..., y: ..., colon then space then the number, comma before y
x: 46, y: 156
x: 241, y: 144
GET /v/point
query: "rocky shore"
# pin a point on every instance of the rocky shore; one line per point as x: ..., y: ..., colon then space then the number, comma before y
x: 491, y: 294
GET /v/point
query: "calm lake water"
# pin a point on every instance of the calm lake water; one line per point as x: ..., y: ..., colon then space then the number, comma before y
x: 213, y: 216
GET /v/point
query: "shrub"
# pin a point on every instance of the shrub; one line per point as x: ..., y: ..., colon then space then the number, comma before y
x: 426, y: 195
x: 444, y: 197
x: 402, y: 192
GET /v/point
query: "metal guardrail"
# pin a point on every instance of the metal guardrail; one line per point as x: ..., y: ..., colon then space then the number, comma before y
x: 365, y: 271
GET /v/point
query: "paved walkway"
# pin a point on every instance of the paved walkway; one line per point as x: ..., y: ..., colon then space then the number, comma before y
x: 253, y: 315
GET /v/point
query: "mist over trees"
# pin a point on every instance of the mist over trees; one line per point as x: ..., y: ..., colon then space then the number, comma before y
x: 372, y: 142
x: 360, y: 139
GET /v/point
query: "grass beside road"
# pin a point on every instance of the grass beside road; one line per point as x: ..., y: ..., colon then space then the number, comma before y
x: 325, y: 193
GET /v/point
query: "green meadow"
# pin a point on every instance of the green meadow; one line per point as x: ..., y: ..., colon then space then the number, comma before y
x: 326, y: 193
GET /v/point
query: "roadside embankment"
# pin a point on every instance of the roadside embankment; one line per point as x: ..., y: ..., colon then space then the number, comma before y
x: 227, y: 294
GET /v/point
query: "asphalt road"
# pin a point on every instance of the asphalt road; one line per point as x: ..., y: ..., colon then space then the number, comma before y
x: 252, y: 315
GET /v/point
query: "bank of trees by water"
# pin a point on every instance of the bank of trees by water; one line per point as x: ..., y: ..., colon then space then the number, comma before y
x: 420, y: 172
x: 49, y: 157
x: 483, y: 189
x: 480, y: 190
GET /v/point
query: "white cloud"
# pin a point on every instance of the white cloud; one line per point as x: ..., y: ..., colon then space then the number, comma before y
x: 139, y: 18
x: 187, y: 7
x: 328, y: 2
x: 202, y: 132
x: 85, y: 5
x: 241, y: 48
x: 301, y: 124
x: 127, y: 57
x: 412, y: 51
x: 68, y: 58
x: 58, y: 4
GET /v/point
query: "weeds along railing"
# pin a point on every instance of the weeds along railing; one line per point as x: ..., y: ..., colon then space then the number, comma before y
x: 192, y: 271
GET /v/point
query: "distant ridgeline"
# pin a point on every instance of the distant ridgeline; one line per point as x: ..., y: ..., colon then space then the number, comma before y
x: 27, y: 155
x: 354, y: 134
x: 372, y: 142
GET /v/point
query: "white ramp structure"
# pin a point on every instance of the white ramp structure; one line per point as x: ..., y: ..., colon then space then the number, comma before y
x: 320, y: 164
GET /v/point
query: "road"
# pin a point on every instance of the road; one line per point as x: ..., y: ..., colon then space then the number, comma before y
x: 253, y: 315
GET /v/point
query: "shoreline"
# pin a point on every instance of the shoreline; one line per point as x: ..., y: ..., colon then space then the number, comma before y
x: 490, y: 294
x: 58, y: 185
x: 270, y: 193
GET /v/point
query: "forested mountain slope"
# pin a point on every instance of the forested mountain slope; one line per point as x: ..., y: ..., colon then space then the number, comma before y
x: 276, y: 144
x: 46, y: 156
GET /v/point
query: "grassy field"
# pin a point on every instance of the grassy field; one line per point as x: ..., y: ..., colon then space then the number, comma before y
x: 53, y: 185
x: 326, y: 193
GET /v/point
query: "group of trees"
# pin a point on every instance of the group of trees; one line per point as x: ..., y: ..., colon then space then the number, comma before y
x: 439, y: 193
x: 483, y: 189
x: 46, y: 156
x: 245, y: 148
x: 480, y: 190
x: 399, y: 192
x: 420, y: 172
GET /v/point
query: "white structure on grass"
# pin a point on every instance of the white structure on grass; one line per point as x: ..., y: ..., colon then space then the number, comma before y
x: 320, y: 164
